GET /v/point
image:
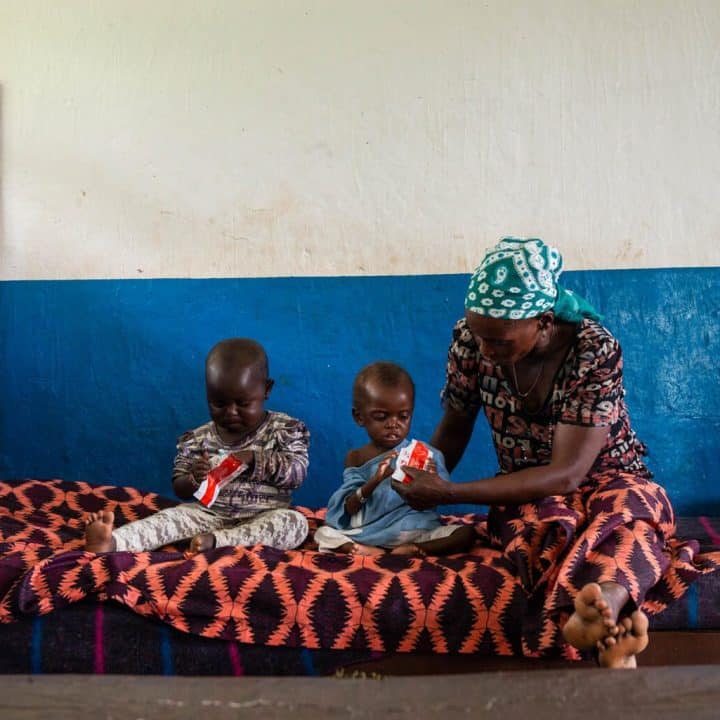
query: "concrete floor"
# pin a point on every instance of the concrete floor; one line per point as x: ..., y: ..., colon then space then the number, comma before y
x: 659, y: 693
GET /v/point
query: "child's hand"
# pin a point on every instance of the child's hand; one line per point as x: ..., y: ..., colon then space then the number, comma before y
x: 353, y: 504
x: 247, y: 457
x: 431, y: 466
x: 199, y: 469
x: 385, y: 466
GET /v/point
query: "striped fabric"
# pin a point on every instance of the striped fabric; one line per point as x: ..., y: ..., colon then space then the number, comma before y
x: 105, y: 638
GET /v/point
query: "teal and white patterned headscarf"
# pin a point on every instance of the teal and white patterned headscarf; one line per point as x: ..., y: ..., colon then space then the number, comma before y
x: 517, y: 279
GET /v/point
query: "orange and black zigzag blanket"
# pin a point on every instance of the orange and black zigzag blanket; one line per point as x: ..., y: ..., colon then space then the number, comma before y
x: 259, y: 595
x: 470, y: 603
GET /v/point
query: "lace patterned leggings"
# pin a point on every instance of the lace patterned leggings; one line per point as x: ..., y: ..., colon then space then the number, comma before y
x: 282, y: 528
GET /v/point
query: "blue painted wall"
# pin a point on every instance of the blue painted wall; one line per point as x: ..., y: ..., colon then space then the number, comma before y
x: 99, y: 377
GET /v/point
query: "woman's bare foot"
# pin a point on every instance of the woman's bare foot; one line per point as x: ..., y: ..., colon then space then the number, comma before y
x: 98, y: 531
x: 620, y: 651
x: 408, y: 549
x: 202, y: 542
x: 595, y: 618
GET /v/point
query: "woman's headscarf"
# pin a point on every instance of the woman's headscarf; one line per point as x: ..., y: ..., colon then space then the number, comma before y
x: 517, y: 279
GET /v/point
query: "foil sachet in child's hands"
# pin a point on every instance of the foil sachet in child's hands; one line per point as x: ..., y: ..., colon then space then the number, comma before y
x: 415, y: 455
x: 224, y: 471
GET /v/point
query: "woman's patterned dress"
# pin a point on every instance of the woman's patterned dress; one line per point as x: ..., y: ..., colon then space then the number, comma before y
x: 617, y: 526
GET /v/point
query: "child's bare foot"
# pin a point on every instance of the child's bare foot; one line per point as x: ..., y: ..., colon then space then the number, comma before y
x: 98, y: 531
x: 408, y: 549
x: 366, y: 550
x: 202, y: 542
x: 620, y: 651
x: 353, y: 548
x: 594, y: 619
x: 360, y: 549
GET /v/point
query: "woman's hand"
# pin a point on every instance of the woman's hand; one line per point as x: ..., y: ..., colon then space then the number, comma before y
x: 424, y: 491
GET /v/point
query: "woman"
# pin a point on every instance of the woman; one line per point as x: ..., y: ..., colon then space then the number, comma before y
x: 590, y: 538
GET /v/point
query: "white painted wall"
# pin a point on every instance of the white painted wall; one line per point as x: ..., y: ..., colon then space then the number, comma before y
x: 189, y: 138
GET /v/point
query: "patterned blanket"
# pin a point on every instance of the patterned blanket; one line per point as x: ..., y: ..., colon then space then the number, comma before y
x: 261, y: 596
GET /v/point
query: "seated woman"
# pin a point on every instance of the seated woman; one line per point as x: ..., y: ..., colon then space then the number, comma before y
x: 590, y: 538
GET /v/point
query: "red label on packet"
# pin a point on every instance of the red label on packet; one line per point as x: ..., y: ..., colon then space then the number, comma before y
x: 414, y: 455
x: 225, y: 471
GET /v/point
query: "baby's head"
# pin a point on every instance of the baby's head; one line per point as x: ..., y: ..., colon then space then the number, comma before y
x: 237, y: 385
x: 383, y: 402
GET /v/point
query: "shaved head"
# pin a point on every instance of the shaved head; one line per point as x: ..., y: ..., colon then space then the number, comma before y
x: 236, y: 355
x: 383, y: 374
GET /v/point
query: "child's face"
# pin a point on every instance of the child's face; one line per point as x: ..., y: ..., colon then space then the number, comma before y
x: 237, y: 401
x: 386, y: 413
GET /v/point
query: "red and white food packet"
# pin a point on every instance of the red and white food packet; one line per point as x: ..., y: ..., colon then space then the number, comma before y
x: 415, y: 455
x: 225, y: 471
